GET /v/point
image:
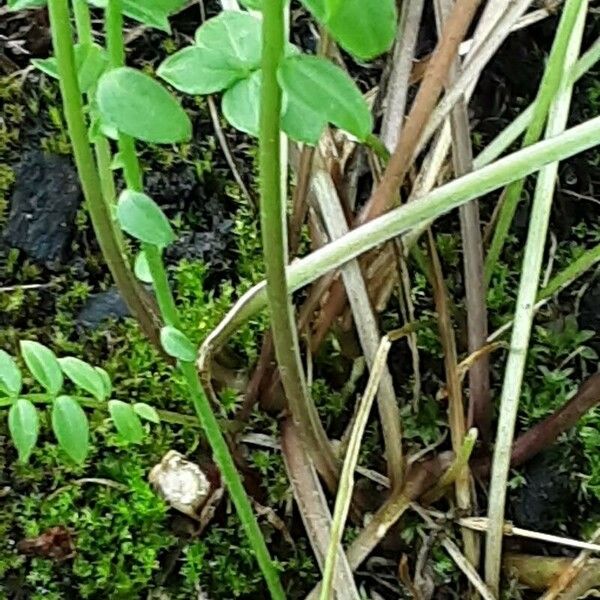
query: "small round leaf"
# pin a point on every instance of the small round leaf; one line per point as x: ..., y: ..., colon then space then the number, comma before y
x: 317, y: 85
x: 199, y: 70
x: 71, y: 428
x: 84, y: 376
x: 241, y: 104
x: 141, y: 107
x: 43, y: 365
x: 365, y: 28
x: 236, y: 35
x: 177, y: 344
x: 23, y: 424
x: 146, y: 412
x: 143, y: 219
x: 126, y: 421
x: 141, y: 268
x: 10, y: 375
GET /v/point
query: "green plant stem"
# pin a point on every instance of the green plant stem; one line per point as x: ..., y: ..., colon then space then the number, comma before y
x: 273, y: 225
x: 101, y: 218
x: 401, y: 220
x: 378, y: 148
x: 116, y: 53
x: 570, y: 32
x: 212, y: 430
x: 83, y: 21
x: 553, y: 75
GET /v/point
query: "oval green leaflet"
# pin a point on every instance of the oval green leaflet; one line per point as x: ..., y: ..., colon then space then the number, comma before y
x: 177, y: 344
x: 23, y: 424
x: 140, y: 217
x: 126, y: 421
x: 318, y: 86
x: 365, y: 28
x: 153, y: 13
x: 146, y: 412
x: 43, y: 365
x: 71, y: 428
x: 139, y: 106
x: 106, y: 382
x: 90, y: 59
x: 10, y: 375
x: 84, y: 376
x: 141, y: 268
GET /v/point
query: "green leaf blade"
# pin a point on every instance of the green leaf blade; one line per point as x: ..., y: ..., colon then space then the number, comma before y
x: 142, y: 218
x: 126, y: 421
x: 365, y: 28
x: 141, y: 268
x: 23, y: 424
x: 71, y: 428
x: 234, y: 34
x: 196, y: 70
x: 11, y: 380
x: 43, y: 364
x: 317, y: 85
x: 84, y: 376
x: 177, y: 344
x: 146, y: 412
x: 139, y: 106
x: 241, y: 104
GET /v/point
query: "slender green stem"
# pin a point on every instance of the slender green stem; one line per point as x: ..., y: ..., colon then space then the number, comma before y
x: 273, y: 225
x: 170, y: 314
x: 62, y: 38
x: 212, y: 430
x: 570, y: 30
x: 553, y: 75
x: 116, y: 53
x: 401, y: 220
x: 378, y: 147
x: 83, y: 21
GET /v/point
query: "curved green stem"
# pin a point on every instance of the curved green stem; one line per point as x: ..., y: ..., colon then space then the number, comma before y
x: 62, y: 39
x: 273, y: 226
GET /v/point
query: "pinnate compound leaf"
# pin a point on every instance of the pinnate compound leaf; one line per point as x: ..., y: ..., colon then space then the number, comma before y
x: 177, y: 344
x: 23, y: 424
x: 142, y: 218
x: 43, y: 364
x: 139, y: 106
x: 196, y: 70
x: 126, y: 421
x: 317, y: 85
x: 10, y: 375
x: 71, y: 428
x: 84, y: 376
x: 365, y: 28
x: 236, y: 34
x: 146, y: 412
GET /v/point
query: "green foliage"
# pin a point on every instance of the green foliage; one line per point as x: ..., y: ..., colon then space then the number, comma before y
x: 127, y: 421
x: 23, y: 424
x: 85, y: 376
x: 44, y: 366
x: 176, y: 344
x: 142, y: 218
x: 365, y: 28
x: 139, y: 106
x: 141, y: 268
x: 71, y: 428
x: 10, y: 375
x: 90, y: 60
x: 318, y: 88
